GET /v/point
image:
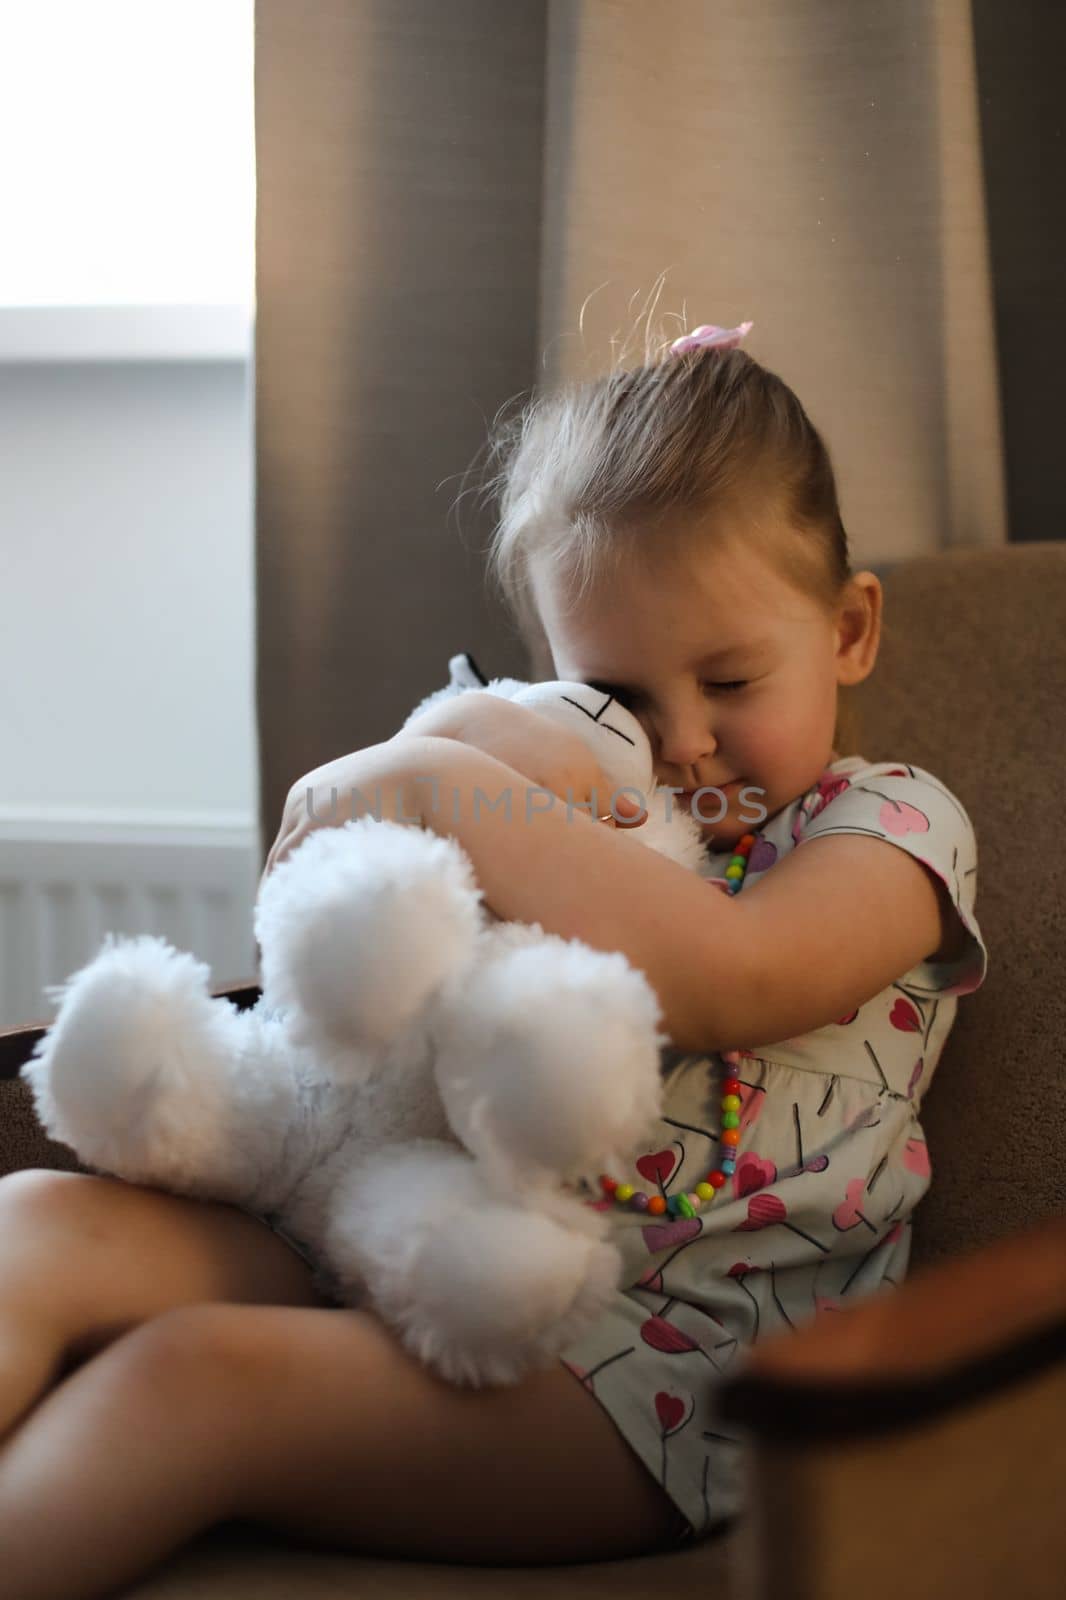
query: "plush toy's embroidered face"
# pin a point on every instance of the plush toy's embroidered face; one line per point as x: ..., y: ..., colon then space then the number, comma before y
x: 614, y: 735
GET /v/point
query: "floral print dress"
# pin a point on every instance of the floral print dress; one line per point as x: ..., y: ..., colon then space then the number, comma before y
x: 831, y: 1163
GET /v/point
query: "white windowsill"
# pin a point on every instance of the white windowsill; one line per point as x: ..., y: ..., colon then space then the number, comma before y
x: 121, y: 824
x: 125, y: 333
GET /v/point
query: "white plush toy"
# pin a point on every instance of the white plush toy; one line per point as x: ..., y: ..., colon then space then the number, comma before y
x: 419, y: 1088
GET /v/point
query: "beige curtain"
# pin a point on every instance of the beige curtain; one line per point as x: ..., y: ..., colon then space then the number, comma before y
x: 815, y: 166
x: 398, y: 156
x: 457, y: 198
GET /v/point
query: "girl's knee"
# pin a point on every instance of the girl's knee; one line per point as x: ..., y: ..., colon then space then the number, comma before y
x: 209, y: 1349
x: 197, y: 1367
x: 182, y: 1383
x: 123, y: 1252
x: 69, y: 1216
x: 36, y: 1194
x: 38, y: 1205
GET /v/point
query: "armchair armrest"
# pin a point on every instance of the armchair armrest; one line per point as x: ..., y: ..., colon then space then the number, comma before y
x: 914, y: 1443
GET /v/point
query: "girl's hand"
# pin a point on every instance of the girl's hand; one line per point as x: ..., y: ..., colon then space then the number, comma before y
x: 343, y: 790
x: 547, y: 755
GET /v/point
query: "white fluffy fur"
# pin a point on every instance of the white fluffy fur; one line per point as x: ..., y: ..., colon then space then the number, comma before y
x: 415, y: 1091
x: 353, y: 965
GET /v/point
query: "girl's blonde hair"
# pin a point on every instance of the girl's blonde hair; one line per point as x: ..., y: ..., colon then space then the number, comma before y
x: 586, y: 470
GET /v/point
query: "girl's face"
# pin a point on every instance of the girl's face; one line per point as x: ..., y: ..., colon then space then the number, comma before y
x: 732, y: 671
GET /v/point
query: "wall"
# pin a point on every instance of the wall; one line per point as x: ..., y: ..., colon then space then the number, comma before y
x: 127, y: 647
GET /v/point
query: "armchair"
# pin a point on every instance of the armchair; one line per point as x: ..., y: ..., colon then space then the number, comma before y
x: 914, y: 1443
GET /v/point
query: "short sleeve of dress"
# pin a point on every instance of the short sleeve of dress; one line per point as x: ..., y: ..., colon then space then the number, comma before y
x: 910, y: 808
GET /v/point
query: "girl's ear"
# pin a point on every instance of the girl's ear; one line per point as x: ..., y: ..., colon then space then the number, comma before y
x: 859, y: 628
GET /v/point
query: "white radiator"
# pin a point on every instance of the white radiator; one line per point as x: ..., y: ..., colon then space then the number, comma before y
x: 66, y: 882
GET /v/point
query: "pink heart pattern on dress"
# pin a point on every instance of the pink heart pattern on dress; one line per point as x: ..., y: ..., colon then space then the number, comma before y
x: 662, y: 1335
x: 848, y: 1213
x: 762, y: 854
x: 658, y: 1167
x: 897, y: 817
x: 753, y: 1173
x: 916, y: 1157
x: 670, y: 1411
x: 763, y: 1211
x: 815, y: 801
x: 905, y: 1017
x: 661, y: 1235
x: 829, y: 786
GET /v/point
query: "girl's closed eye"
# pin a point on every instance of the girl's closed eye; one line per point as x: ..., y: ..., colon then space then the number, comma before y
x: 630, y: 698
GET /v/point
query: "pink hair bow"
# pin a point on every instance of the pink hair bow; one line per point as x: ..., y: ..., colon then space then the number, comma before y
x: 707, y: 335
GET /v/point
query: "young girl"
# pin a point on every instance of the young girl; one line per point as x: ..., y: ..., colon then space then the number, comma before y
x: 166, y: 1364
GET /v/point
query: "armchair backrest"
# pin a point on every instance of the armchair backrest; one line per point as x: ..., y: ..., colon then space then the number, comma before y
x: 971, y: 685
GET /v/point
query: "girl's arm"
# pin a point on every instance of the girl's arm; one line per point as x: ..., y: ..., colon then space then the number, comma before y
x: 833, y: 924
x: 544, y: 753
x: 545, y: 862
x: 823, y: 932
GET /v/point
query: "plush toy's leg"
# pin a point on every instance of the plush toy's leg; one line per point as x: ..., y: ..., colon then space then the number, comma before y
x: 146, y: 1076
x: 551, y: 1058
x: 360, y: 927
x: 480, y: 1289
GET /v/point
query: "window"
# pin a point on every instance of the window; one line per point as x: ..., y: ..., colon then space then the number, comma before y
x: 128, y: 153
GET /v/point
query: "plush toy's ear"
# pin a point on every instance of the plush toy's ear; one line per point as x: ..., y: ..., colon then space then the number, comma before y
x: 465, y: 672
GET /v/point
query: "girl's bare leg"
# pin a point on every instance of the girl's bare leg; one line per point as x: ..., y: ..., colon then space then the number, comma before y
x: 83, y: 1259
x: 317, y: 1423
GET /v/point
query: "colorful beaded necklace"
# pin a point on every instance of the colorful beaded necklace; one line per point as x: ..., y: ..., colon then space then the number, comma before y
x: 686, y: 1205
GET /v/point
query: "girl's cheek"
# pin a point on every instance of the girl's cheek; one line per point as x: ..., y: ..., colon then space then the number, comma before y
x: 763, y: 744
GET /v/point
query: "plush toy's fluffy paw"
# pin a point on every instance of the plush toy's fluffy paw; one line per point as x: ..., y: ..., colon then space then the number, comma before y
x: 481, y: 1290
x: 361, y: 926
x: 133, y: 1073
x: 551, y: 1060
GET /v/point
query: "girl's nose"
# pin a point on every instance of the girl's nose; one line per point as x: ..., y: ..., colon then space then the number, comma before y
x: 685, y: 739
